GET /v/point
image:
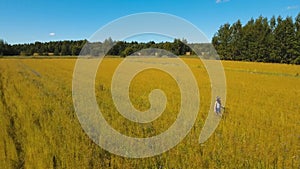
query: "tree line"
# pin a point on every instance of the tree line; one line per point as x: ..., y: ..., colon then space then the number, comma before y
x: 123, y: 48
x: 57, y: 48
x: 262, y: 40
x: 73, y: 48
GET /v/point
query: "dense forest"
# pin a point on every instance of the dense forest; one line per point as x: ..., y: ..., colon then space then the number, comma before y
x: 73, y: 48
x: 58, y: 48
x: 262, y: 40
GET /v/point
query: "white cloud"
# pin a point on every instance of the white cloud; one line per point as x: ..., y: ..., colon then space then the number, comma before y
x: 52, y: 34
x: 292, y: 7
x: 220, y: 1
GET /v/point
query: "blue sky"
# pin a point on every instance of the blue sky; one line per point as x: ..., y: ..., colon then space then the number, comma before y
x: 25, y: 21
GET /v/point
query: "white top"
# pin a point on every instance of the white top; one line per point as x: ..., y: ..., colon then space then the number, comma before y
x: 217, y: 107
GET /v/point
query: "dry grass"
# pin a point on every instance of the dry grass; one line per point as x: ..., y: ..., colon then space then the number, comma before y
x: 39, y: 128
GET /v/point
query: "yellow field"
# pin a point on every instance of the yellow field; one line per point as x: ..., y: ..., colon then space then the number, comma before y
x: 39, y: 127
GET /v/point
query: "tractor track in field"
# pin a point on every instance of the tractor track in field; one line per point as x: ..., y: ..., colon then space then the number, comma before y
x: 38, y: 80
x: 13, y: 122
x: 263, y: 73
x: 23, y: 65
x: 26, y: 72
x: 2, y: 94
x: 11, y: 129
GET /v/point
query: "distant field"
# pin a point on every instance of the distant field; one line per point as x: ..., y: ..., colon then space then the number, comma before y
x: 39, y: 128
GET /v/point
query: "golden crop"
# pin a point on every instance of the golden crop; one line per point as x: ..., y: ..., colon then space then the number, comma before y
x: 39, y: 127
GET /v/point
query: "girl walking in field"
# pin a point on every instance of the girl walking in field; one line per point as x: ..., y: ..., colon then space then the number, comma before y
x: 218, y: 106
